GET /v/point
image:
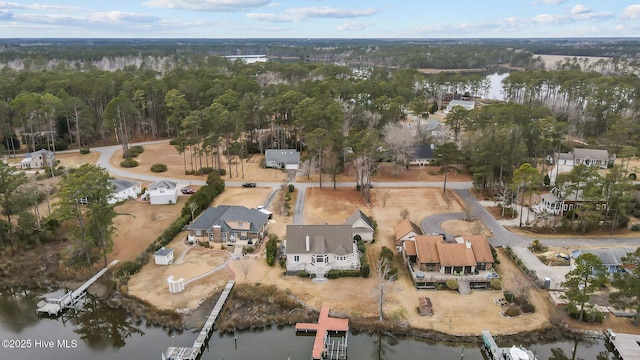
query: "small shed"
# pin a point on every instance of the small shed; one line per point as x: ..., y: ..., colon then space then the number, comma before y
x: 164, y: 256
x: 424, y: 306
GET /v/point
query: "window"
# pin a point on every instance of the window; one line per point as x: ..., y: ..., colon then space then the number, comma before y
x: 341, y: 258
x: 296, y: 258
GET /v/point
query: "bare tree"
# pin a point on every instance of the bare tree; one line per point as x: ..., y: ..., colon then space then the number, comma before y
x: 404, y: 214
x: 245, y: 267
x: 385, y: 283
x: 193, y: 207
x: 384, y: 196
x: 401, y: 142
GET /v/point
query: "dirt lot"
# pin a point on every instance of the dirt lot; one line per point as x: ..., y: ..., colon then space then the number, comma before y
x: 166, y: 153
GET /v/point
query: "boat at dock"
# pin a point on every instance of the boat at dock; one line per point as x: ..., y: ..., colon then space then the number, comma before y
x: 505, y: 353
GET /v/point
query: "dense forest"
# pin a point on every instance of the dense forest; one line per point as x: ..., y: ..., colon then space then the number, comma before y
x: 339, y: 100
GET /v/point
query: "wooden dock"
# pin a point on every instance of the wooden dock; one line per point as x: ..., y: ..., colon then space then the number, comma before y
x: 627, y: 346
x: 54, y: 306
x: 322, y: 346
x: 191, y: 353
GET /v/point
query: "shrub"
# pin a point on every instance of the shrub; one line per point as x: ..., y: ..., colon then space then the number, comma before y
x: 361, y: 247
x: 136, y: 150
x: 357, y: 237
x: 452, y: 284
x: 632, y: 176
x: 291, y: 188
x: 128, y: 163
x: 508, y: 295
x: 512, y: 311
x: 85, y: 150
x: 61, y: 144
x: 496, y: 284
x: 302, y: 273
x: 635, y: 227
x: 365, y: 270
x: 287, y: 197
x: 528, y: 308
x: 157, y: 168
x: 206, y: 170
x: 272, y: 249
x: 248, y: 249
x: 333, y: 274
x: 386, y: 253
x: 222, y: 172
x: 173, y: 142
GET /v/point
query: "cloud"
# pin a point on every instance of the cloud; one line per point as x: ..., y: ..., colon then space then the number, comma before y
x: 119, y: 16
x: 353, y: 26
x: 12, y: 5
x: 6, y: 14
x: 580, y: 9
x: 300, y: 14
x: 208, y: 5
x: 631, y: 12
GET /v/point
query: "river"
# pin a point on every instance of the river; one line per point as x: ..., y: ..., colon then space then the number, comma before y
x: 100, y: 332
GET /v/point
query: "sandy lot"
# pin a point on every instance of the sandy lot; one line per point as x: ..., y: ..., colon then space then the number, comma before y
x: 550, y: 61
x: 167, y: 154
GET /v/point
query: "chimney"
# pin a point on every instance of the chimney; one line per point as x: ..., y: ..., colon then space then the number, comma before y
x: 217, y: 233
x: 468, y: 244
x: 433, y: 146
x: 307, y: 243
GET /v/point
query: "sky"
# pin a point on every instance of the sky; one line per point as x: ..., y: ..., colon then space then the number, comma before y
x: 319, y: 19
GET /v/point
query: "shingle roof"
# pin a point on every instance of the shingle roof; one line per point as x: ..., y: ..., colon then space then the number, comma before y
x: 426, y: 248
x: 162, y: 184
x: 163, y: 251
x: 480, y: 247
x: 404, y: 227
x: 410, y: 248
x: 455, y: 254
x: 611, y: 256
x: 358, y: 214
x: 225, y: 216
x: 285, y: 156
x: 423, y: 152
x: 432, y: 124
x: 123, y: 184
x: 323, y: 239
x: 595, y: 154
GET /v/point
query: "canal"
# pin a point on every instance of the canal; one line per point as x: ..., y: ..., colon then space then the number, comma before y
x: 100, y: 332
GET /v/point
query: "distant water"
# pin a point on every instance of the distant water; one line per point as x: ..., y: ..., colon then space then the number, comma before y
x: 495, y: 91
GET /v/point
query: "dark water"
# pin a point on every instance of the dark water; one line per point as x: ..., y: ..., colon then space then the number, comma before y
x: 99, y: 332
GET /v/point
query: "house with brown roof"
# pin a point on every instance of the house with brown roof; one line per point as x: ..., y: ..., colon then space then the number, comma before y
x: 469, y: 255
x: 406, y: 230
x: 317, y: 249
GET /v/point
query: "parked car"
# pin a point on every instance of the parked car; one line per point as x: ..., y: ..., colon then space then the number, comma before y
x: 188, y: 191
x: 249, y: 185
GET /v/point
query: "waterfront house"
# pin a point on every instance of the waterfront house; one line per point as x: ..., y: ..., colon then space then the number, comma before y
x: 229, y: 224
x: 558, y: 202
x: 317, y: 249
x: 467, y: 105
x: 467, y: 255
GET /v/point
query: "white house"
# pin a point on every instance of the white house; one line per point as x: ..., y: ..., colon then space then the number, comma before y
x: 164, y: 256
x: 162, y: 192
x: 467, y: 105
x: 38, y: 159
x: 282, y: 159
x: 361, y: 225
x: 317, y: 249
x: 124, y: 189
x: 564, y: 162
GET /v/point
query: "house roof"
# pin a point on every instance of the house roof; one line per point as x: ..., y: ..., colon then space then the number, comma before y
x: 454, y: 254
x: 230, y: 218
x: 563, y: 156
x: 285, y: 156
x: 404, y: 227
x: 358, y: 214
x: 464, y: 103
x: 426, y: 248
x: 595, y: 154
x: 29, y: 156
x: 432, y: 124
x: 480, y: 247
x: 162, y: 184
x: 423, y: 152
x: 608, y: 256
x: 163, y: 251
x: 323, y: 239
x: 123, y: 184
x: 410, y: 248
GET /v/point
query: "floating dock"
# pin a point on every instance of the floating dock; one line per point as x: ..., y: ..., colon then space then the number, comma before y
x: 498, y: 353
x: 626, y: 346
x: 191, y: 353
x: 323, y: 346
x: 54, y: 306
